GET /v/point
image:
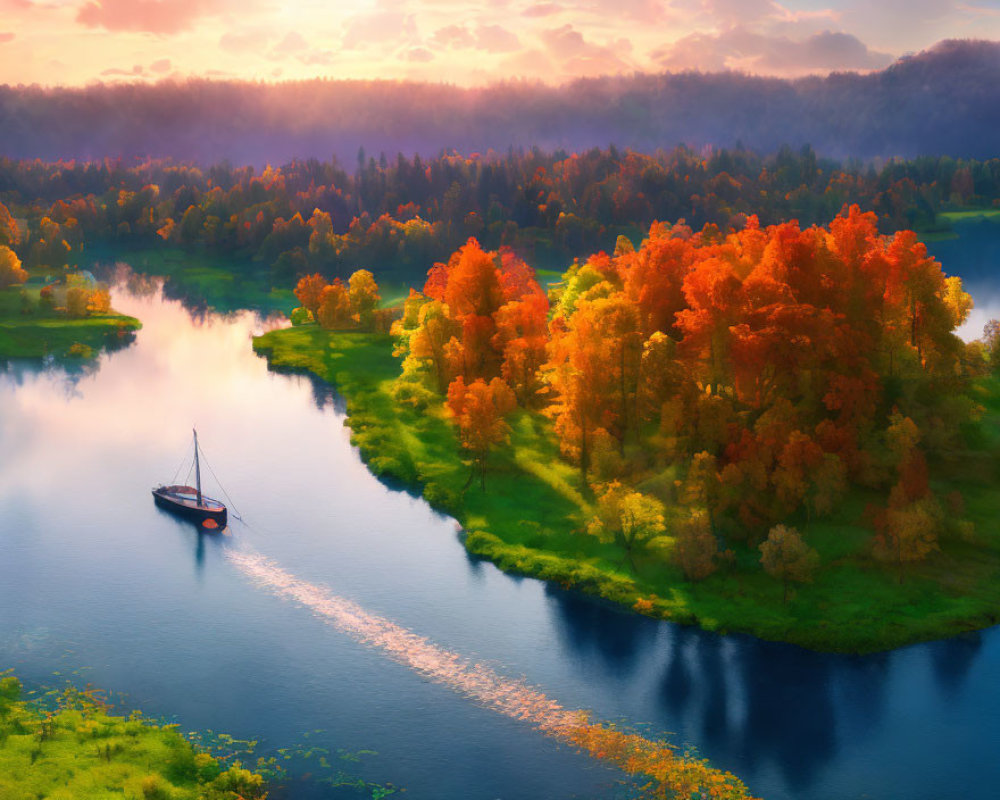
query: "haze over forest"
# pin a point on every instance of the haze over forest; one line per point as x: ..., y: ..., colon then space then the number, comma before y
x: 943, y: 101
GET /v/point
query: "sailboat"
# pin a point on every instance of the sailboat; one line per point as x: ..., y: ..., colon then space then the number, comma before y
x: 188, y: 501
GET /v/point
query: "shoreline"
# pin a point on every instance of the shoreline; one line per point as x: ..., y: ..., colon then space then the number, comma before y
x: 417, y: 449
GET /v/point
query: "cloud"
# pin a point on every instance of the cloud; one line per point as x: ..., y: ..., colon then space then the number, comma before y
x: 491, y: 38
x: 149, y: 16
x: 742, y: 49
x: 319, y: 58
x: 582, y: 58
x: 456, y: 36
x: 740, y: 12
x: 641, y: 10
x: 387, y: 23
x: 292, y: 43
x: 160, y: 65
x: 418, y: 54
x: 245, y: 41
x: 137, y: 70
x: 496, y: 39
x: 7, y: 37
x: 542, y: 10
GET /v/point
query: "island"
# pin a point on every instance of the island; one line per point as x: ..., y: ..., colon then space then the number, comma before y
x: 772, y: 430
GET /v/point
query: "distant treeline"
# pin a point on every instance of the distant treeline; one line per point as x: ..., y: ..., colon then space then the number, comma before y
x: 401, y: 215
x: 943, y: 101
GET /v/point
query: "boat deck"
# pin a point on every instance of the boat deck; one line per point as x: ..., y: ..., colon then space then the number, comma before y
x: 188, y: 496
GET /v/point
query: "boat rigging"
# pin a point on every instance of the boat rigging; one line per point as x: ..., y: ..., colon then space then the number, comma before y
x: 188, y: 501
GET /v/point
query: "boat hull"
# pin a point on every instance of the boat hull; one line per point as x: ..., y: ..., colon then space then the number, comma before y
x: 184, y: 504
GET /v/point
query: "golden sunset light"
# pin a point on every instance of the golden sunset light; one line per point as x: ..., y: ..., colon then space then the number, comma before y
x: 76, y: 42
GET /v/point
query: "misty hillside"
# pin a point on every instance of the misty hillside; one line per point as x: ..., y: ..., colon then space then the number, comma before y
x: 944, y: 101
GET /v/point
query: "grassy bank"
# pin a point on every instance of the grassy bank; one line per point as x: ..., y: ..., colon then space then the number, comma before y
x: 28, y: 330
x: 532, y: 520
x: 69, y: 746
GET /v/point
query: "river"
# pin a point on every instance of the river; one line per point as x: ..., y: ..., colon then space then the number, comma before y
x: 98, y: 584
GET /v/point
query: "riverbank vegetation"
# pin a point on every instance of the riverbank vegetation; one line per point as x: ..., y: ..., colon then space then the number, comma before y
x: 68, y: 745
x: 59, y: 312
x: 771, y: 430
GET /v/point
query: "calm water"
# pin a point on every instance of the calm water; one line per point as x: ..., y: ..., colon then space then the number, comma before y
x: 94, y: 580
x: 974, y: 255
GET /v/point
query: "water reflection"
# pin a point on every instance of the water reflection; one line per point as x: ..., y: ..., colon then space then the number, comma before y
x: 594, y: 631
x: 951, y: 660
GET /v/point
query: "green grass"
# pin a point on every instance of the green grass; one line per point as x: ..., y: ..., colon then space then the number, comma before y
x: 45, y: 332
x: 532, y: 520
x: 969, y: 214
x: 71, y: 748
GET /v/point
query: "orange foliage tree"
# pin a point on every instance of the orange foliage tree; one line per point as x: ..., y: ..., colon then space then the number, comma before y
x: 308, y: 291
x: 479, y: 409
x: 11, y: 271
x: 334, y: 309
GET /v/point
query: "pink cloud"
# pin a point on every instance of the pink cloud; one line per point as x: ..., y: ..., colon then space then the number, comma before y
x: 318, y: 58
x: 137, y: 70
x: 741, y: 49
x: 453, y: 36
x: 291, y: 44
x: 7, y: 37
x: 741, y: 12
x: 496, y: 39
x: 542, y: 10
x: 151, y: 16
x: 582, y: 58
x: 160, y: 65
x: 388, y: 22
x: 419, y: 54
x: 244, y: 41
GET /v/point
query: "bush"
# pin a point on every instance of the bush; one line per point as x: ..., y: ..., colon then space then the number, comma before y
x: 301, y: 316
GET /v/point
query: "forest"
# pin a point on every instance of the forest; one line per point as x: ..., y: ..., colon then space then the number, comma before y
x: 762, y: 401
x: 397, y: 216
x: 940, y: 101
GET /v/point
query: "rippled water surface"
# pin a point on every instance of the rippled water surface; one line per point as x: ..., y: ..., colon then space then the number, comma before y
x: 96, y: 581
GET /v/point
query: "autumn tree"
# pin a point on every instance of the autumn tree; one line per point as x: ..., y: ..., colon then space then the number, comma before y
x: 99, y: 301
x: 785, y: 556
x: 428, y: 332
x: 908, y: 532
x: 364, y: 297
x: 480, y: 410
x: 695, y: 547
x: 9, y: 233
x: 77, y: 301
x: 309, y: 292
x: 626, y: 517
x: 335, y: 310
x: 521, y: 337
x: 11, y: 271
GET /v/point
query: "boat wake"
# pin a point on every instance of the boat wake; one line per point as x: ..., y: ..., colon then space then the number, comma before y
x: 669, y: 773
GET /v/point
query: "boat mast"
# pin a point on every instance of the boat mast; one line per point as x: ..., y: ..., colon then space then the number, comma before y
x: 197, y: 466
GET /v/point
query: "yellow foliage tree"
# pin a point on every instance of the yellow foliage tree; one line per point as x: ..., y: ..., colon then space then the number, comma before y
x: 364, y: 297
x: 10, y: 268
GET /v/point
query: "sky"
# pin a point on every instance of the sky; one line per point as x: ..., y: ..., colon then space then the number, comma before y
x: 76, y: 42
